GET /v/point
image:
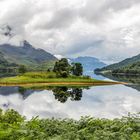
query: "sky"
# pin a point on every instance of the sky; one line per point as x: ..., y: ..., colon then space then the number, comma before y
x: 106, y: 29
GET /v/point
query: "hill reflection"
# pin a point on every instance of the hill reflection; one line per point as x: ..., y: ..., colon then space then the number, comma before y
x: 133, y: 81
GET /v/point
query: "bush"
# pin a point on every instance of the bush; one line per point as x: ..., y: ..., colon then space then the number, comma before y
x: 14, y: 126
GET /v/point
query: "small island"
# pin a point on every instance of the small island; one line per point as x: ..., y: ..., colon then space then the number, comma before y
x: 63, y: 73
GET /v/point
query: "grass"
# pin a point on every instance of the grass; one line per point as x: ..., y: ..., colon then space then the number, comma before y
x: 50, y: 78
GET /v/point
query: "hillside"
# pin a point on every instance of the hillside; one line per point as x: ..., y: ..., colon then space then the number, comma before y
x: 7, y: 67
x: 89, y: 63
x: 129, y: 64
x: 26, y: 55
x: 4, y: 63
x: 133, y: 69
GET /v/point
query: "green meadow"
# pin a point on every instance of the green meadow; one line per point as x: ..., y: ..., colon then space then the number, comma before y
x: 49, y: 77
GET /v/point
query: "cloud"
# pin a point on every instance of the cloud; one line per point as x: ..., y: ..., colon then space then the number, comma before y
x: 59, y: 56
x: 104, y: 29
x: 100, y: 11
x: 62, y: 18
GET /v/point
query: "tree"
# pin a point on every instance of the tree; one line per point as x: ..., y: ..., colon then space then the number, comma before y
x: 22, y: 69
x: 62, y: 68
x: 77, y: 69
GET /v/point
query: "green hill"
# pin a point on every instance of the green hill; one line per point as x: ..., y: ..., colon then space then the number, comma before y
x: 128, y: 66
x: 27, y: 55
x: 133, y: 69
x: 7, y: 67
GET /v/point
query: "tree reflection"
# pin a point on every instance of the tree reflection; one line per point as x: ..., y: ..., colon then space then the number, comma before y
x: 76, y: 94
x: 63, y: 93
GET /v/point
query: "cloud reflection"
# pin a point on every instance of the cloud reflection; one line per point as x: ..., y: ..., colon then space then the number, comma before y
x: 103, y: 102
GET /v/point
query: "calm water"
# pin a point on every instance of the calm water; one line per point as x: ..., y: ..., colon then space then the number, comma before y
x: 99, y: 101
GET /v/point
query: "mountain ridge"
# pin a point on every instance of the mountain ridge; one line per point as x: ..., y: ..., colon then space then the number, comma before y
x: 25, y: 54
x: 126, y: 66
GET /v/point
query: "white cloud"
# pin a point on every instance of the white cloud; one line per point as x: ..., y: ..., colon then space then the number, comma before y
x: 104, y: 28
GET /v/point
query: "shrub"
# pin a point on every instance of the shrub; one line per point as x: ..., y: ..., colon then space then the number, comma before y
x: 14, y: 126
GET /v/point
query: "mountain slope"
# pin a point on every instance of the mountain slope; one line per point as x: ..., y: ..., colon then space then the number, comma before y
x: 26, y: 54
x: 7, y: 68
x: 89, y: 63
x: 133, y: 69
x: 125, y: 63
x: 4, y: 63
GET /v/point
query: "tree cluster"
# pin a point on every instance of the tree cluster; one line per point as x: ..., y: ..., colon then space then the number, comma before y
x: 64, y: 69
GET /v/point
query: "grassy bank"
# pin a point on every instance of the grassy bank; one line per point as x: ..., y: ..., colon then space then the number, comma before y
x: 16, y: 127
x: 49, y: 78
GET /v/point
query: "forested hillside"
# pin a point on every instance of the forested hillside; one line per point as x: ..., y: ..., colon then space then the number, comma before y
x: 127, y: 66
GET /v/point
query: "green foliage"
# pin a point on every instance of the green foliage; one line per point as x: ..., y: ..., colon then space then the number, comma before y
x: 22, y: 69
x: 14, y: 127
x: 45, y: 77
x: 133, y: 69
x: 130, y: 64
x: 62, y: 68
x: 77, y: 69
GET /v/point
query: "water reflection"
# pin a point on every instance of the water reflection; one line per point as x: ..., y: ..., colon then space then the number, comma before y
x: 63, y: 93
x: 71, y: 102
x: 133, y: 81
x: 93, y: 75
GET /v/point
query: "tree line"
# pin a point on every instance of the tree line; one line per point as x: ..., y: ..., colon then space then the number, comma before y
x: 62, y: 68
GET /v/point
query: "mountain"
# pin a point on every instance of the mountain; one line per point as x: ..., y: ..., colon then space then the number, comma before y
x: 7, y: 67
x: 129, y: 63
x: 131, y: 69
x: 26, y: 54
x: 4, y: 63
x: 89, y: 63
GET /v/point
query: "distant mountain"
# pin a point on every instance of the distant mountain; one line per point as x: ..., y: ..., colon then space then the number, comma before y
x: 89, y: 63
x: 127, y: 64
x: 26, y: 54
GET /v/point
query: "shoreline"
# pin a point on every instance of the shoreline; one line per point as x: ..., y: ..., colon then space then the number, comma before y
x: 98, y: 83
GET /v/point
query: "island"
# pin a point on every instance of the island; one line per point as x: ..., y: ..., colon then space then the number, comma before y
x: 63, y: 73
